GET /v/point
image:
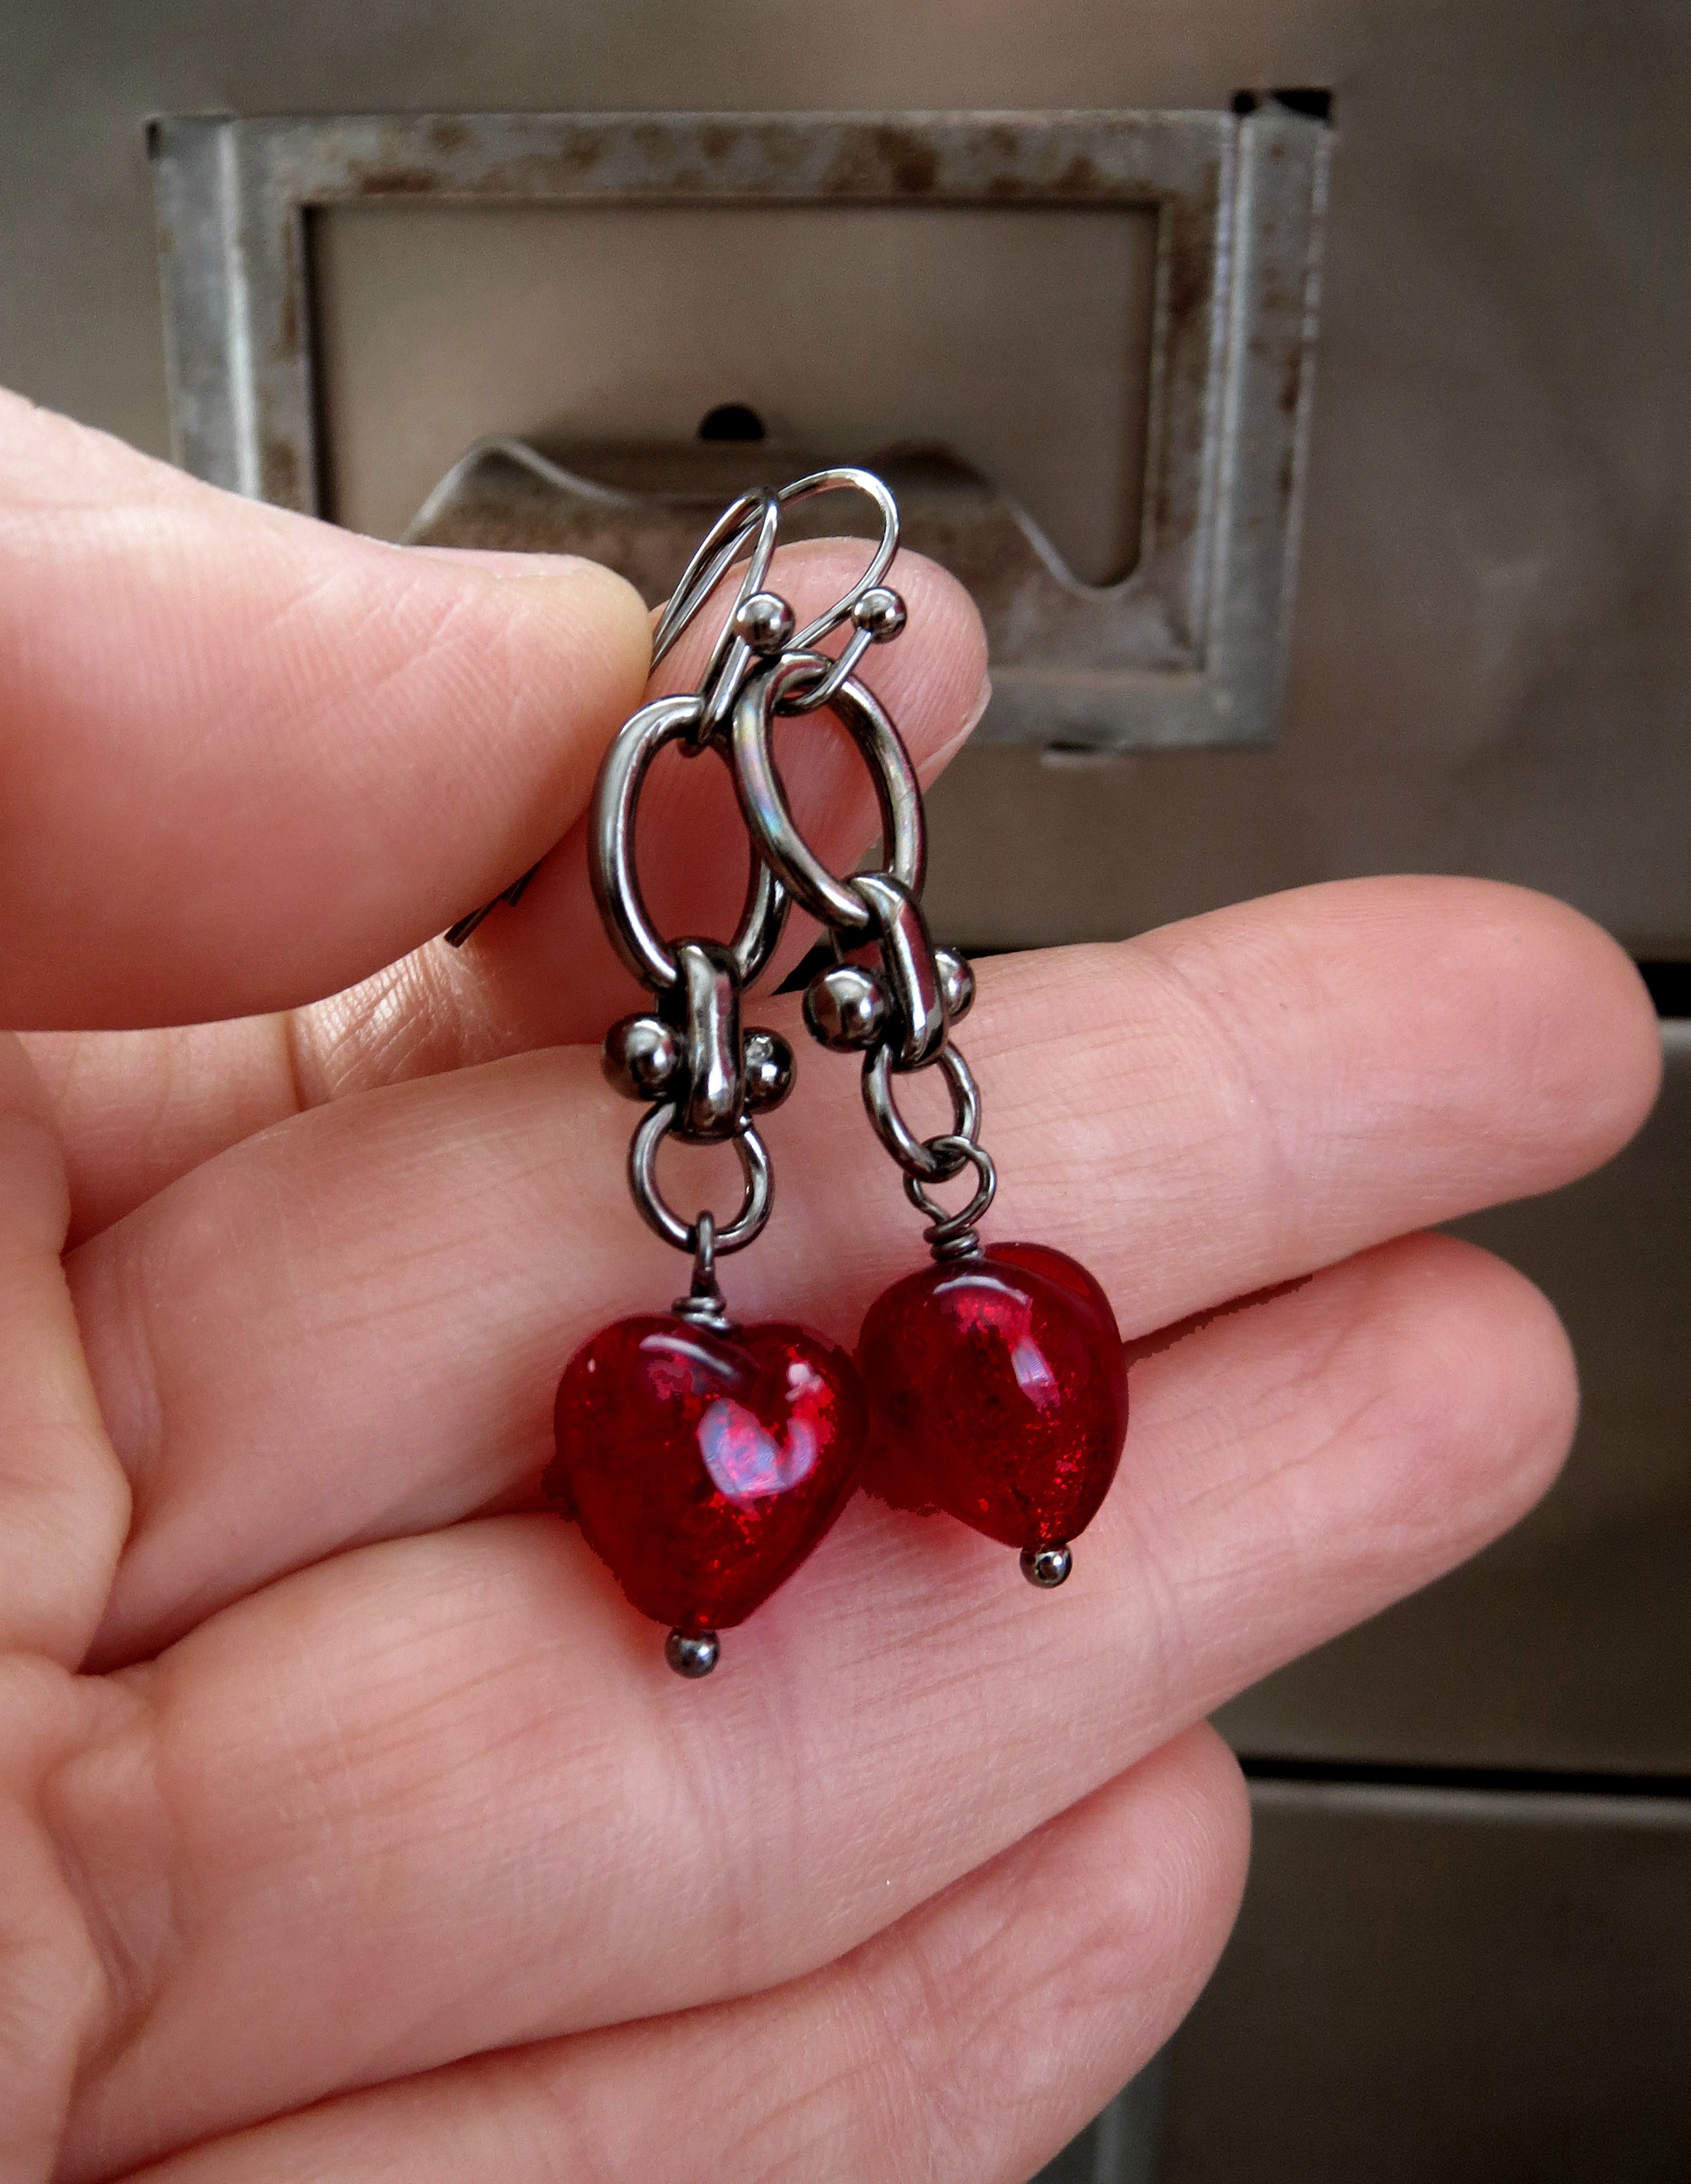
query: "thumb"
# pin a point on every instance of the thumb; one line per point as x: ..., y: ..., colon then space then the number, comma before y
x: 246, y: 758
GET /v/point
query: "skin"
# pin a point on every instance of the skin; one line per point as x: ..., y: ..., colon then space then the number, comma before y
x: 351, y: 1826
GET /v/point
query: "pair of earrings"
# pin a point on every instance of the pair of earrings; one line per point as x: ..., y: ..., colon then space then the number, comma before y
x: 704, y: 1461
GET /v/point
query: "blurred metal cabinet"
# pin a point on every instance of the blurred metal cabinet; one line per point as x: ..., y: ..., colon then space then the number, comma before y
x: 1488, y: 670
x: 1470, y: 1987
x: 1567, y: 1648
x: 1111, y: 314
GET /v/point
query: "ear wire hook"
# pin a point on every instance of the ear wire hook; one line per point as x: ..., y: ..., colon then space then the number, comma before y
x: 877, y: 613
x: 758, y: 511
x: 714, y: 555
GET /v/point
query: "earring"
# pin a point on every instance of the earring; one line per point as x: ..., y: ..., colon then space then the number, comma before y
x: 996, y: 1379
x: 704, y: 1461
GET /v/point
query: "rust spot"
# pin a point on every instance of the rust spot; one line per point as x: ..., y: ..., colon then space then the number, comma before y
x: 914, y: 165
x: 393, y: 181
x: 1188, y: 271
x: 1081, y: 178
x: 287, y: 331
x: 1292, y: 382
x: 289, y: 338
x: 717, y: 141
x: 447, y: 134
x: 279, y: 472
x: 881, y: 162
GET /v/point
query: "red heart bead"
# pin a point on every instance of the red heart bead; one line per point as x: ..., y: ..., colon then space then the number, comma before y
x: 703, y: 1467
x: 998, y: 1392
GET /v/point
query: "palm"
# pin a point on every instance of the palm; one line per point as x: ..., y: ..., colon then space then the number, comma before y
x: 354, y: 1827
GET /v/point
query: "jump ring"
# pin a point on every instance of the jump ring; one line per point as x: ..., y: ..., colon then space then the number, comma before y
x: 938, y: 1160
x: 944, y: 1227
x: 643, y: 1180
x: 616, y: 885
x: 763, y: 796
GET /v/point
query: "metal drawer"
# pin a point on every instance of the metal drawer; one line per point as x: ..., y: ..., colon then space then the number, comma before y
x: 1423, y: 1984
x: 1567, y: 1645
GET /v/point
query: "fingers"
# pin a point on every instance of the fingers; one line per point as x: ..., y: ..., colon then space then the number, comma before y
x: 249, y: 758
x: 64, y: 1512
x: 405, y: 1782
x: 138, y: 1109
x: 64, y: 1498
x: 503, y: 993
x: 964, y: 2045
x: 388, y: 1289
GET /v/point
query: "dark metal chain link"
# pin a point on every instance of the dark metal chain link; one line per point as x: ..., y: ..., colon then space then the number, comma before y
x: 703, y: 1078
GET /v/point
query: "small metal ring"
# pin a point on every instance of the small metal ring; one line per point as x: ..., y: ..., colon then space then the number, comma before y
x: 643, y: 1180
x: 945, y: 1227
x: 616, y: 885
x: 763, y: 796
x: 913, y: 1154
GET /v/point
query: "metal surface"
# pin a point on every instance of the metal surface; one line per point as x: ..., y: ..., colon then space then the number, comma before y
x: 692, y: 1653
x: 952, y: 1235
x: 616, y: 883
x: 1048, y: 1567
x: 909, y: 965
x: 1568, y: 1643
x: 1441, y: 1983
x: 706, y: 1005
x: 915, y: 1155
x: 746, y: 1225
x: 852, y: 326
x: 762, y: 800
x: 1188, y: 648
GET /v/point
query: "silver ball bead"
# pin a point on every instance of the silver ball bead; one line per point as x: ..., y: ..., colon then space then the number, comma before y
x: 846, y: 1008
x: 765, y: 620
x: 1047, y: 1567
x: 880, y: 611
x: 956, y: 983
x: 692, y: 1653
x: 641, y: 1057
x: 769, y: 1069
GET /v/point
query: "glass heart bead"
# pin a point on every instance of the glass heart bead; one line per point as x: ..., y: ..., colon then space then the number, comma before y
x: 998, y: 1392
x: 704, y: 1466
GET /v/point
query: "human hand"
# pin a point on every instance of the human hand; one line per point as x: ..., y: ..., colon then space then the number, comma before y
x: 352, y: 1827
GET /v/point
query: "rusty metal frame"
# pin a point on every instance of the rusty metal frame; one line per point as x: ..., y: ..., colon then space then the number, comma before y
x: 1188, y: 649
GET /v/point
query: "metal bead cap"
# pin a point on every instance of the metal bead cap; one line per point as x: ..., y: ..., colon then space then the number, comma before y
x: 1047, y: 1567
x: 846, y: 1008
x: 641, y: 1057
x: 692, y: 1653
